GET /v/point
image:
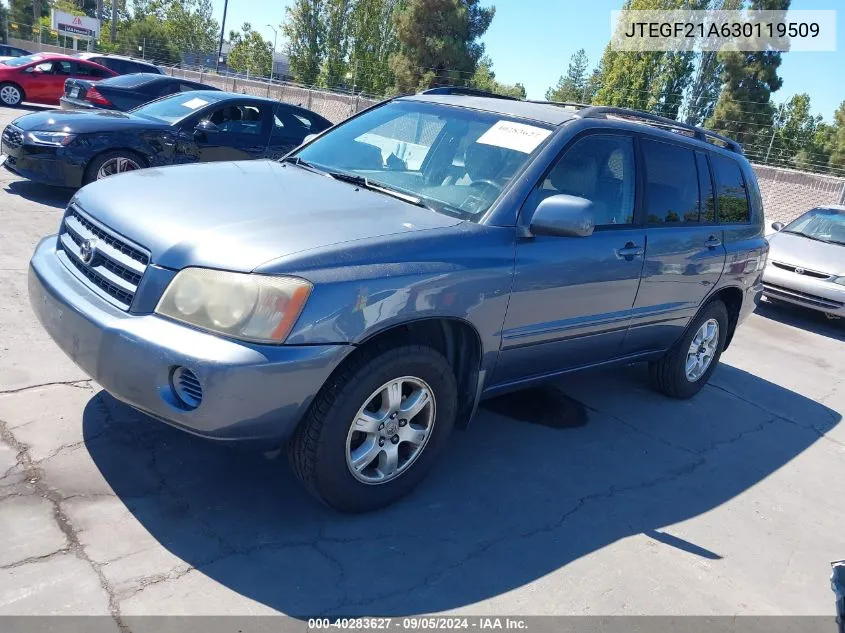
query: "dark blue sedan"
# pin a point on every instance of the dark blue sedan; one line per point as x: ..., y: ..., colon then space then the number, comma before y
x: 123, y: 92
x: 71, y: 148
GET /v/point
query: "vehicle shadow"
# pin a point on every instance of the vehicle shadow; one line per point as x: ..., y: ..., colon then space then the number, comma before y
x: 509, y: 502
x: 802, y: 318
x: 57, y: 197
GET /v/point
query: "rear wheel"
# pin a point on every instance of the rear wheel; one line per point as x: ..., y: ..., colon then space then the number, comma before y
x: 11, y: 95
x: 687, y: 367
x: 375, y: 429
x: 112, y: 163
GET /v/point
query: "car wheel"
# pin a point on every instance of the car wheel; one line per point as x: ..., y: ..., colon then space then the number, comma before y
x: 112, y: 163
x: 376, y: 427
x: 687, y: 367
x: 11, y: 95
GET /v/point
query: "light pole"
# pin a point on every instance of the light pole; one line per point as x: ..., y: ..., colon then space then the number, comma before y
x: 273, y: 56
x: 222, y: 31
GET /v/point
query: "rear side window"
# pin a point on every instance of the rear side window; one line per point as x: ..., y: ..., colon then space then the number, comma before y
x: 731, y: 191
x: 671, y: 190
x: 84, y: 70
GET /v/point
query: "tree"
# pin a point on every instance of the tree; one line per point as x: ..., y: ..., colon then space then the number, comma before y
x: 836, y: 142
x: 4, y: 21
x: 335, y: 21
x: 23, y: 14
x: 373, y: 41
x: 573, y: 85
x: 744, y: 110
x: 794, y: 130
x: 707, y: 76
x: 150, y: 35
x: 438, y: 42
x: 188, y: 23
x: 304, y: 32
x: 250, y: 53
x: 485, y: 79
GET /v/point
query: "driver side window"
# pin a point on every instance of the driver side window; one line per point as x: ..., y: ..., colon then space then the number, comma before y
x: 600, y: 168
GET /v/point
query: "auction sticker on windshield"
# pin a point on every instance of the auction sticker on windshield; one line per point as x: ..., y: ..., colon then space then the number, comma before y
x: 516, y: 136
x: 194, y: 103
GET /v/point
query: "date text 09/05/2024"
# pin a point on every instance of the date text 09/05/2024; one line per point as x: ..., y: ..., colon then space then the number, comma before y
x: 418, y: 623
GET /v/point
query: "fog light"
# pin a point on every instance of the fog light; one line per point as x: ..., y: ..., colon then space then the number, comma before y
x: 187, y: 387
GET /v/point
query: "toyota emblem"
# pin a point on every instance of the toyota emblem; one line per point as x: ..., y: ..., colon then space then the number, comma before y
x: 799, y: 271
x: 86, y: 250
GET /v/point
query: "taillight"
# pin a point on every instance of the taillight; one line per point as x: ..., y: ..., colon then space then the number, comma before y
x: 95, y: 96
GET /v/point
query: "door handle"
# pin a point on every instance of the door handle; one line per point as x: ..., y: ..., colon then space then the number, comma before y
x: 713, y: 242
x: 629, y: 251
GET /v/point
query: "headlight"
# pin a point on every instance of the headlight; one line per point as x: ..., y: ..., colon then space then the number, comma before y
x: 258, y: 308
x: 51, y: 138
x: 839, y: 280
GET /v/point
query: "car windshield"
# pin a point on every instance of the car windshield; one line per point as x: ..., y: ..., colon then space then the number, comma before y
x: 22, y: 61
x: 174, y: 108
x: 452, y: 159
x: 825, y: 225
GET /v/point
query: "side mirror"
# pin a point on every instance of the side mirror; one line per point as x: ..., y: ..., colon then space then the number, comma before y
x: 777, y: 226
x: 564, y: 215
x: 202, y: 128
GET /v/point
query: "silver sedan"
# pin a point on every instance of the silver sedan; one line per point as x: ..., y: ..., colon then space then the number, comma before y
x: 806, y: 264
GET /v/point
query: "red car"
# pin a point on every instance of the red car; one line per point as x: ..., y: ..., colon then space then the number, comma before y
x: 41, y: 78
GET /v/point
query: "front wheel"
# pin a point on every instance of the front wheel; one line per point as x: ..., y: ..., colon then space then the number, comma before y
x: 687, y: 367
x: 375, y: 429
x: 111, y: 164
x: 10, y: 95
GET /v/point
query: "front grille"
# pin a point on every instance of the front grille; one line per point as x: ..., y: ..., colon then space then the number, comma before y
x: 12, y: 136
x: 111, y: 265
x: 806, y: 273
x: 780, y: 292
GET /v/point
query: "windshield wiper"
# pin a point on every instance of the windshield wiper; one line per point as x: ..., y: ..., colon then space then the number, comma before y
x: 296, y: 160
x: 362, y: 181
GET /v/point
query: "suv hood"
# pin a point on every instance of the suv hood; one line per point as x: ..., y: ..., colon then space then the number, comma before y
x: 239, y: 215
x: 795, y: 250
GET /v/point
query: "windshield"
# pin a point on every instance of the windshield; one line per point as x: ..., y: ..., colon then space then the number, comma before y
x: 22, y: 61
x: 174, y: 108
x: 826, y: 225
x: 453, y: 159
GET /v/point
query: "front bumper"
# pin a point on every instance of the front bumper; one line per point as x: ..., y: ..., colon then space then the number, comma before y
x: 57, y: 166
x: 816, y: 294
x: 250, y: 392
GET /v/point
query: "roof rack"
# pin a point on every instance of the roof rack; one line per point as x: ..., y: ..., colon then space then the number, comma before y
x: 565, y: 104
x: 604, y: 112
x: 463, y: 90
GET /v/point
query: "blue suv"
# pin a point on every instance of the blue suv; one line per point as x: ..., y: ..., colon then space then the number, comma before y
x: 358, y: 299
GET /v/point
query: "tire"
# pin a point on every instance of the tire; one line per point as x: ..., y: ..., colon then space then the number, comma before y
x: 11, y: 95
x: 321, y: 450
x: 669, y: 374
x: 93, y: 169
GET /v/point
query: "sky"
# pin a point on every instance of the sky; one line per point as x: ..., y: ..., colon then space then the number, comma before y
x: 531, y: 41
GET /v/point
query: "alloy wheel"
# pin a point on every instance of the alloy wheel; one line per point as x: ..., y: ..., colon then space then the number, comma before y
x: 116, y: 165
x: 10, y: 95
x: 391, y: 430
x: 702, y: 349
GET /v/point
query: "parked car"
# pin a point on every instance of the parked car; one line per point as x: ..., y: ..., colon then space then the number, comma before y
x: 806, y: 265
x: 359, y: 298
x: 123, y: 92
x: 120, y: 64
x: 70, y: 148
x: 12, y: 51
x: 41, y: 78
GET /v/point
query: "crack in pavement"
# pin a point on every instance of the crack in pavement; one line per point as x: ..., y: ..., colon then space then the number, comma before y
x: 34, y: 474
x: 78, y: 384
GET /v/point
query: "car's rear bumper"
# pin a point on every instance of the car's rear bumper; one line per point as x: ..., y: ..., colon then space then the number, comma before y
x: 816, y: 294
x: 48, y: 165
x: 254, y: 393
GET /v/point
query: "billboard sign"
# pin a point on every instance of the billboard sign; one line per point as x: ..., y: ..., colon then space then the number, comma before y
x: 75, y: 25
